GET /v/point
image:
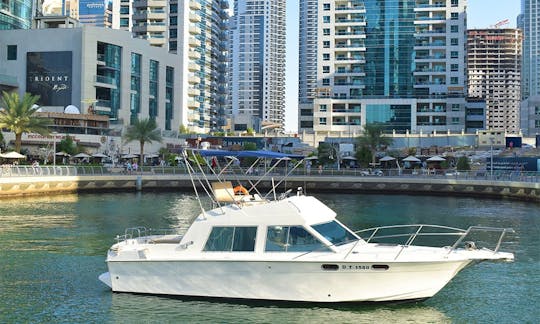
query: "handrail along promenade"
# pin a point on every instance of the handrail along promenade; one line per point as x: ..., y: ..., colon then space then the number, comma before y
x: 16, y: 180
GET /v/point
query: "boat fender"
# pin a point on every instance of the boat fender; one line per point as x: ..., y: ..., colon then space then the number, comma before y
x: 240, y: 190
x: 470, y: 245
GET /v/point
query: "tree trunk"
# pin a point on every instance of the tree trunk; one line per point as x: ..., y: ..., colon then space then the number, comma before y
x: 18, y: 140
x: 142, y: 154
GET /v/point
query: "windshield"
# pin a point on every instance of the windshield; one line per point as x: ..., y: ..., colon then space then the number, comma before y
x: 335, y: 233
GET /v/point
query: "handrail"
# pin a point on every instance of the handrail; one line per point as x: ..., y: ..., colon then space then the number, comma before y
x: 419, y: 230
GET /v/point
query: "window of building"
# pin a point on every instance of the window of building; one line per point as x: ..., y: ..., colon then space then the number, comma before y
x: 124, y: 10
x: 326, y: 6
x: 322, y: 121
x: 326, y: 19
x: 455, y: 3
x: 326, y: 69
x: 173, y: 20
x: 454, y: 41
x: 291, y: 239
x: 454, y: 29
x: 124, y: 22
x: 12, y: 52
x: 326, y: 31
x: 455, y: 120
x: 231, y: 239
x: 456, y: 107
x: 454, y: 54
x: 453, y: 80
x: 326, y: 44
x: 323, y: 108
x: 325, y: 82
x: 326, y: 57
x: 454, y: 16
x: 173, y: 8
x: 454, y: 67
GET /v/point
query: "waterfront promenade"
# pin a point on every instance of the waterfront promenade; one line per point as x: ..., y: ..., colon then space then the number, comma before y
x: 25, y: 180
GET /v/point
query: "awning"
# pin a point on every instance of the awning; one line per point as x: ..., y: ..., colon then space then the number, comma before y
x: 257, y: 154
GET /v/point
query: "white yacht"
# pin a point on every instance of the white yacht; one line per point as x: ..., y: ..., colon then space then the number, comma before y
x: 288, y: 248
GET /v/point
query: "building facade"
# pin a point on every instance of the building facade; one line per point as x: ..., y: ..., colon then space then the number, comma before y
x: 529, y: 23
x: 15, y: 14
x: 399, y: 63
x: 100, y: 71
x: 257, y: 64
x: 494, y: 73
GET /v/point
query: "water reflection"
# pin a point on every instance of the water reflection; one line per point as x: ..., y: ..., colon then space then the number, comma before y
x: 53, y: 249
x: 224, y: 311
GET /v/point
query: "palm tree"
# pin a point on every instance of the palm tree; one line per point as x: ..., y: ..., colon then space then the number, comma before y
x: 18, y: 116
x: 144, y: 131
x: 373, y: 139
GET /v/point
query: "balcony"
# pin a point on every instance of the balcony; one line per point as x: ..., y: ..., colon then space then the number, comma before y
x: 150, y: 3
x: 193, y: 42
x: 194, y: 55
x: 194, y: 18
x: 104, y: 82
x: 192, y: 67
x: 193, y: 79
x: 194, y: 30
x: 192, y: 92
x: 194, y: 5
x: 193, y: 104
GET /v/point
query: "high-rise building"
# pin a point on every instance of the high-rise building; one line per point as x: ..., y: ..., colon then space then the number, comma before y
x: 257, y: 63
x: 494, y: 73
x: 396, y: 62
x: 15, y: 14
x: 196, y: 30
x: 94, y: 12
x: 529, y: 23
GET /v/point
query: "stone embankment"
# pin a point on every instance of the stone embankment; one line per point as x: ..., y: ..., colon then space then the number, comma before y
x: 42, y: 185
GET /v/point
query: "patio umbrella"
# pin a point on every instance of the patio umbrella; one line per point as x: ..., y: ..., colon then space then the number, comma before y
x: 13, y: 155
x: 411, y: 158
x: 81, y: 156
x: 62, y: 153
x: 386, y: 159
x: 311, y: 158
x: 348, y: 158
x: 151, y: 155
x: 99, y: 155
x: 436, y: 158
x: 129, y: 156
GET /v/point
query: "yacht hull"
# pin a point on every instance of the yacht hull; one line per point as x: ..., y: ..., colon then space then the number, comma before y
x: 286, y: 281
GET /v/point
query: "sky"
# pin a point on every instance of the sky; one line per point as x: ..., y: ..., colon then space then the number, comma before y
x: 480, y: 14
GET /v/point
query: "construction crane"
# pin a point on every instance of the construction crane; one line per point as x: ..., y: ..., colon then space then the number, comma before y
x: 500, y: 24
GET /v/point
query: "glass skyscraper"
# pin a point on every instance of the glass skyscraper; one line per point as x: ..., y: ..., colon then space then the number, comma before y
x: 529, y: 23
x: 15, y: 14
x: 396, y: 62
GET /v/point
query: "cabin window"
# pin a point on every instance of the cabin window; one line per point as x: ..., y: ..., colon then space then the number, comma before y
x: 335, y: 233
x: 292, y: 239
x: 231, y: 239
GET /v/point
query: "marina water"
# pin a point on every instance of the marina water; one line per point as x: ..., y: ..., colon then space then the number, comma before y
x: 53, y: 249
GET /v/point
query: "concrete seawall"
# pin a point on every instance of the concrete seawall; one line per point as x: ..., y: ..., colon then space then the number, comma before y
x: 530, y: 191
